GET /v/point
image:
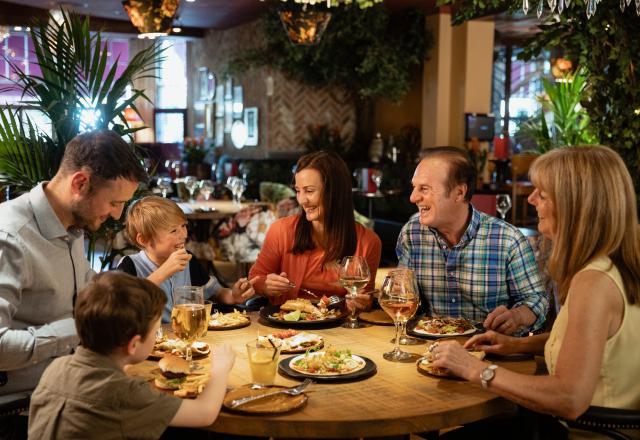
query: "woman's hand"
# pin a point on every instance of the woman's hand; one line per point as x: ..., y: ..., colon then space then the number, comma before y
x: 276, y: 285
x: 362, y: 301
x: 242, y: 290
x: 493, y: 342
x: 452, y: 356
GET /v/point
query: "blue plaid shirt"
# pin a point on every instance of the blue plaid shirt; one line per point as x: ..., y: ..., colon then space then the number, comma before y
x: 492, y: 265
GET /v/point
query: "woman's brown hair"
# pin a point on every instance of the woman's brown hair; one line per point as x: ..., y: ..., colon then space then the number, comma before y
x: 337, y: 205
x: 596, y: 213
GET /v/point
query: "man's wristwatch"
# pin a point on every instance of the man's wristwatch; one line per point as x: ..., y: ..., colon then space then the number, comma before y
x: 487, y: 375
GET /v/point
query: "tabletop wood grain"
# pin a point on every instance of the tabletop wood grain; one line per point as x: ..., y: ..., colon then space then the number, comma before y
x: 397, y: 400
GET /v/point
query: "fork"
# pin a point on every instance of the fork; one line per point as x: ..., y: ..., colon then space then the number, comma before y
x: 299, y: 389
x: 307, y: 291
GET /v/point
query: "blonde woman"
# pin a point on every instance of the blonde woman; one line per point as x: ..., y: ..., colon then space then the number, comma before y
x: 587, y: 207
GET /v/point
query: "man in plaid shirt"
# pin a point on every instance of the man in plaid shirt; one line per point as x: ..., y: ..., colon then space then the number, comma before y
x: 468, y: 264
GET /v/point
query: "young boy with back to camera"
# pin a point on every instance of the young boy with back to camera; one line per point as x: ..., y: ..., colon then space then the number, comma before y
x: 159, y: 228
x: 88, y: 394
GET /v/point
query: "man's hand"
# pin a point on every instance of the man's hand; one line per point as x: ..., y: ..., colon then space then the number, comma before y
x: 508, y: 321
x: 276, y: 285
x: 242, y: 290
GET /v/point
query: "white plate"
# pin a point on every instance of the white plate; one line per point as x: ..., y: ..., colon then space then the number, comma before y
x: 361, y: 365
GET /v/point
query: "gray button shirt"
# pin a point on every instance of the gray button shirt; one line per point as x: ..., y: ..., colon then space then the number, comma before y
x: 38, y: 262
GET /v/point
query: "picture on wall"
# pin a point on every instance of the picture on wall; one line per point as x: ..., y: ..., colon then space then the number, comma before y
x: 219, y: 135
x: 251, y: 121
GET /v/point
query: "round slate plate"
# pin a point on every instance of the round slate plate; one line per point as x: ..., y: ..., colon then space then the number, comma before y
x: 368, y: 370
x: 267, y: 311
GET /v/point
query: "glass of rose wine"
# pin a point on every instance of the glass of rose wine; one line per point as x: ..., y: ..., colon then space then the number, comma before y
x: 400, y: 299
x: 188, y: 315
x: 353, y: 275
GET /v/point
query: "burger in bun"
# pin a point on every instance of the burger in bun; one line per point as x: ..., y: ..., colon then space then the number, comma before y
x: 174, y: 372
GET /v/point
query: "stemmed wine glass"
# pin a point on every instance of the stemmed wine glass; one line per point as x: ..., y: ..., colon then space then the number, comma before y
x: 206, y: 188
x: 188, y: 315
x: 176, y: 165
x: 400, y: 299
x: 164, y: 184
x: 376, y: 176
x: 353, y: 275
x: 191, y: 183
x: 503, y: 204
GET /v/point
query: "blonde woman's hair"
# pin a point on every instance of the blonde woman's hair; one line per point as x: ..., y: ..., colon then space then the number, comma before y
x: 150, y: 214
x: 596, y: 214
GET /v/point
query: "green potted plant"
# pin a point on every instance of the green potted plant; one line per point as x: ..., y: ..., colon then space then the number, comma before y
x: 571, y: 124
x: 193, y: 158
x: 74, y: 76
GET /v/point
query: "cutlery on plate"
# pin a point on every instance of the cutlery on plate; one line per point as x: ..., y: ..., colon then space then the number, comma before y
x: 295, y: 391
x: 307, y: 291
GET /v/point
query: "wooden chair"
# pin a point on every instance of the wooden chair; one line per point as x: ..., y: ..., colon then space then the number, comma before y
x: 520, y: 164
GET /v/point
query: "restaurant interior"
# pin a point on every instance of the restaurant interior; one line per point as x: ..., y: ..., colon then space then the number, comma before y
x: 234, y: 92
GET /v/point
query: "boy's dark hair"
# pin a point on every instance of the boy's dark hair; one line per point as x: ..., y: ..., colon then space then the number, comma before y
x: 105, y: 154
x: 114, y: 308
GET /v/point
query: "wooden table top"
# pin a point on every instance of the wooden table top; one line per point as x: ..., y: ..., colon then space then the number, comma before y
x: 397, y: 400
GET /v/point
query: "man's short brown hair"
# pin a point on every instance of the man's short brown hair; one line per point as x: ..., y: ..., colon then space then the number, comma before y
x: 114, y: 308
x: 148, y: 215
x: 461, y: 169
x: 105, y: 155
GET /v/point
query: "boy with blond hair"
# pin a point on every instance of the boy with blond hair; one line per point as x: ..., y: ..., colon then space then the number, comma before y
x: 88, y: 395
x: 159, y: 228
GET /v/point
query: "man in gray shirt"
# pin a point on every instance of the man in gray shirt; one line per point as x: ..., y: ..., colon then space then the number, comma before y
x: 42, y: 258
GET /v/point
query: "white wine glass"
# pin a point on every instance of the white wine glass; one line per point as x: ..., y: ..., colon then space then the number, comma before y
x: 191, y: 184
x: 353, y: 275
x: 503, y: 204
x: 188, y: 315
x: 206, y: 188
x: 164, y: 184
x: 400, y: 299
x: 376, y: 176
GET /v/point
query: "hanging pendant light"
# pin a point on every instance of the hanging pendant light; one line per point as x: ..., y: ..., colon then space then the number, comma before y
x: 152, y: 18
x: 305, y: 27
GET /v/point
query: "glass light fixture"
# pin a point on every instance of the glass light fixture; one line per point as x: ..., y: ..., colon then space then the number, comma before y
x: 305, y: 27
x: 152, y: 18
x: 591, y: 6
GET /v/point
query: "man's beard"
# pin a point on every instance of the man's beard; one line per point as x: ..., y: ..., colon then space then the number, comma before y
x: 82, y: 217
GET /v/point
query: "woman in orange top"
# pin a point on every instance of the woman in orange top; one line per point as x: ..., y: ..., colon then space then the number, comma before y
x: 302, y: 250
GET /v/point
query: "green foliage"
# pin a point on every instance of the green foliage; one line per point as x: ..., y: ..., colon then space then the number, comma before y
x: 363, y: 51
x: 607, y: 48
x: 323, y: 137
x: 74, y: 76
x: 194, y: 151
x: 571, y: 123
x: 366, y: 52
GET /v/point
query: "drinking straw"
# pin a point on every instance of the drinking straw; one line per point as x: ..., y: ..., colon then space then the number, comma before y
x: 275, y: 349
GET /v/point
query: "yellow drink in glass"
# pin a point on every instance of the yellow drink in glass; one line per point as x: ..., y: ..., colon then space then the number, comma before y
x: 263, y: 362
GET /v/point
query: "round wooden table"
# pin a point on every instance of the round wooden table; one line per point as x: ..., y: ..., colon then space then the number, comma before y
x: 397, y: 400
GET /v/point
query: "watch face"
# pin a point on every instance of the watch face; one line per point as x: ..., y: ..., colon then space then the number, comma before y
x: 488, y: 373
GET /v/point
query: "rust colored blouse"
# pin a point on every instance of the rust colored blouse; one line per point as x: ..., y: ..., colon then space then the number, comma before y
x: 305, y: 270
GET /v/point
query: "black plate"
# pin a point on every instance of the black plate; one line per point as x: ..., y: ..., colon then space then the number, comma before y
x: 368, y: 370
x: 267, y: 311
x: 412, y: 323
